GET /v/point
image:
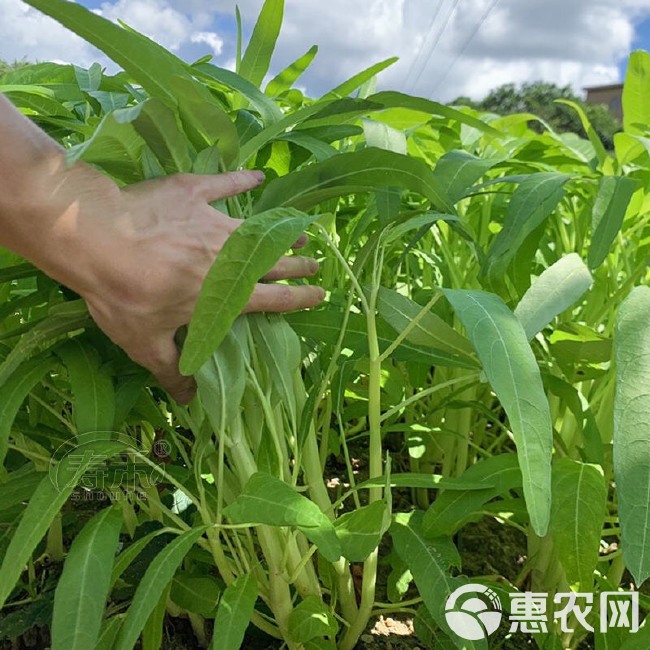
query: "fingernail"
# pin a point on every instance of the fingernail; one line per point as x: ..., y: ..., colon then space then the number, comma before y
x: 302, y: 240
x: 312, y: 265
x: 259, y: 176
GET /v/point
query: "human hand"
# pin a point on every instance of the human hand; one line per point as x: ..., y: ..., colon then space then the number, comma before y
x: 152, y: 246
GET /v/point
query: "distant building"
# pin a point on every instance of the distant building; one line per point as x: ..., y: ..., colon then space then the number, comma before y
x: 611, y: 96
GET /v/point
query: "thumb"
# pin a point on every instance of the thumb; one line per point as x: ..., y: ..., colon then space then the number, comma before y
x: 163, y: 363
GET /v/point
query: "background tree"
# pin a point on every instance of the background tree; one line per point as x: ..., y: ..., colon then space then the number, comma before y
x: 539, y: 98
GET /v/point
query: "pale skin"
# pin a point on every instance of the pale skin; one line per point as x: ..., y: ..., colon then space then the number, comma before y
x: 137, y: 255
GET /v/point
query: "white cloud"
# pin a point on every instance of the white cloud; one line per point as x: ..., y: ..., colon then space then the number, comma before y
x: 574, y: 42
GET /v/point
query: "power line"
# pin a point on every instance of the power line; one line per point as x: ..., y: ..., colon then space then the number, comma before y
x: 428, y: 33
x: 462, y: 51
x: 438, y: 37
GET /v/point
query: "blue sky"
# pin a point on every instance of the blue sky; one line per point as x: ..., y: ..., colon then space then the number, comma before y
x: 446, y: 48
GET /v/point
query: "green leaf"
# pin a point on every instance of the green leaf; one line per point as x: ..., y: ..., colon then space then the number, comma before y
x: 279, y: 347
x: 577, y: 517
x: 392, y: 99
x: 158, y: 126
x: 235, y: 611
x: 270, y: 501
x: 92, y: 388
x: 533, y: 200
x: 430, y: 562
x: 257, y: 57
x: 360, y: 531
x: 610, y: 206
x: 286, y: 78
x: 153, y: 630
x: 348, y: 173
x: 110, y: 630
x: 128, y: 555
x: 384, y: 136
x: 457, y: 171
x: 197, y: 594
x: 426, y: 481
x: 157, y: 577
x: 349, y: 86
x: 511, y: 368
x: 453, y: 509
x: 222, y: 378
x: 636, y: 112
x: 631, y: 429
x: 269, y: 111
x: 310, y: 619
x: 592, y: 134
x: 324, y: 326
x: 50, y: 495
x: 430, y: 331
x: 248, y: 254
x: 13, y: 394
x: 555, y: 290
x: 83, y: 587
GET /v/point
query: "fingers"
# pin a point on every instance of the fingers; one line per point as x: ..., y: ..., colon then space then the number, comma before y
x: 221, y: 186
x: 162, y: 360
x: 292, y: 267
x: 302, y: 241
x: 283, y: 297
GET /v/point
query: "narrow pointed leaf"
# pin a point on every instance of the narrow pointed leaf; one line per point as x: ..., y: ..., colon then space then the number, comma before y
x: 636, y: 111
x: 83, y: 587
x: 234, y: 613
x: 349, y: 86
x: 286, y: 78
x: 359, y: 171
x: 511, y: 368
x: 157, y: 577
x: 248, y: 254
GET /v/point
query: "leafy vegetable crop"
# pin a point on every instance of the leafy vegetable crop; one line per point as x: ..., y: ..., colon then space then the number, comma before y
x: 485, y: 341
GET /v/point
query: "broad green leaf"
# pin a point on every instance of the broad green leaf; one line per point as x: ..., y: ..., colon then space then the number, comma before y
x: 257, y: 57
x: 610, y: 206
x: 268, y: 500
x: 248, y: 254
x: 50, y: 495
x: 94, y: 396
x: 430, y: 331
x: 18, y: 272
x: 397, y: 232
x: 115, y: 146
x: 360, y: 531
x: 235, y: 610
x: 310, y: 619
x: 157, y: 577
x: 426, y: 481
x: 197, y: 594
x: 577, y: 517
x: 159, y: 128
x: 128, y: 555
x: 83, y: 587
x: 18, y: 488
x: 269, y: 111
x: 511, y: 368
x: 430, y: 562
x: 631, y: 429
x: 35, y: 100
x: 639, y: 640
x: 350, y: 85
x: 535, y: 198
x: 222, y: 378
x: 636, y: 112
x: 286, y: 78
x: 348, y: 173
x: 384, y: 136
x: 110, y: 630
x: 320, y: 149
x: 453, y: 509
x: 324, y: 325
x: 555, y: 290
x: 13, y: 394
x: 457, y: 171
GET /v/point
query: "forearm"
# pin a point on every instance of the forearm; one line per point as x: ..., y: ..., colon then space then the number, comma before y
x: 40, y: 198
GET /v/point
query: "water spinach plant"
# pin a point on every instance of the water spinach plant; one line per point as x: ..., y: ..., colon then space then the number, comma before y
x: 484, y: 345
